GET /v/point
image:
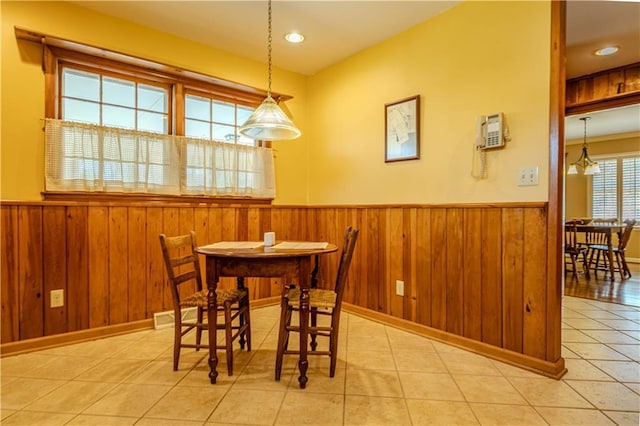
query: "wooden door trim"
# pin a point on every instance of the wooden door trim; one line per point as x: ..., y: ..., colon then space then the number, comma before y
x: 556, y: 181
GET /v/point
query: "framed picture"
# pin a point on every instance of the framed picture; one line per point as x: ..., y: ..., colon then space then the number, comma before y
x: 402, y: 130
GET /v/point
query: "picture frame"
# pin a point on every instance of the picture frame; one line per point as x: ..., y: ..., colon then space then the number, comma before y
x: 402, y: 130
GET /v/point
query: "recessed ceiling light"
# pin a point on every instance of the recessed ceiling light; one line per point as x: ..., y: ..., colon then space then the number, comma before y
x: 609, y: 50
x: 294, y: 37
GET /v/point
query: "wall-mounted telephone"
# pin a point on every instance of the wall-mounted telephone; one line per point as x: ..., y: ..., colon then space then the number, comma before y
x: 490, y: 131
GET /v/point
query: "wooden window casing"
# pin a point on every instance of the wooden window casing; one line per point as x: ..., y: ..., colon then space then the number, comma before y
x: 58, y: 53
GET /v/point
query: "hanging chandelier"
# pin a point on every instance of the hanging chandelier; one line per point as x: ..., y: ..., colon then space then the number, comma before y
x: 268, y: 121
x: 588, y: 166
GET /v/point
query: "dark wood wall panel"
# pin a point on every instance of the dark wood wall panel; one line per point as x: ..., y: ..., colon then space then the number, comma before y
x: 54, y: 267
x: 422, y: 266
x: 118, y: 265
x: 454, y: 287
x: 473, y: 271
x: 30, y: 272
x: 9, y: 287
x: 438, y: 269
x: 137, y: 249
x: 77, y: 300
x: 472, y: 274
x: 535, y: 296
x: 98, y: 261
x: 512, y: 267
x: 154, y: 269
x: 491, y: 254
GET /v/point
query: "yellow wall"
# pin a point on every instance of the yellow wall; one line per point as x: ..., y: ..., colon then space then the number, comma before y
x: 22, y: 84
x: 576, y: 185
x: 477, y: 58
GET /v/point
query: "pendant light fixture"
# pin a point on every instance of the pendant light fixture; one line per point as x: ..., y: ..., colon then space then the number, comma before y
x: 268, y: 121
x: 589, y: 167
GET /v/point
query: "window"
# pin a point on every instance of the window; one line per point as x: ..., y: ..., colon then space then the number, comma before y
x: 126, y: 125
x: 90, y: 97
x: 215, y: 119
x: 222, y: 160
x: 122, y: 146
x: 615, y: 191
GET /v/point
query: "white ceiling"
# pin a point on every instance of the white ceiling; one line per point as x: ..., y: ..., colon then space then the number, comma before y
x: 335, y: 30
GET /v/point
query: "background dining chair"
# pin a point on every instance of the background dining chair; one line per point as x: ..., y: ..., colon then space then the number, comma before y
x: 599, y: 260
x: 597, y: 238
x: 183, y: 266
x: 573, y: 251
x: 321, y: 302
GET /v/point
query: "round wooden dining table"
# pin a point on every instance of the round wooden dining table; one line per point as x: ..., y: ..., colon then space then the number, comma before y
x: 242, y: 259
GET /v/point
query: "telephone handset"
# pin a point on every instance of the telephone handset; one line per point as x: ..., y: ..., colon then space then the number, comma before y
x: 490, y: 131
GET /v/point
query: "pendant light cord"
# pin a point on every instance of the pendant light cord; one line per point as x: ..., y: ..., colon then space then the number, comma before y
x: 269, y: 53
x: 584, y: 141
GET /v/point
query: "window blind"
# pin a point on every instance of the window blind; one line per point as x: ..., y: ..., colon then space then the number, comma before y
x: 631, y: 188
x: 604, y: 190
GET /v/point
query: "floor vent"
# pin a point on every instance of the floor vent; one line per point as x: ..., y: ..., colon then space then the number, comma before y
x: 165, y: 319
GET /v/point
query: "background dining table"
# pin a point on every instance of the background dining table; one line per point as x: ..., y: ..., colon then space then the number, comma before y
x: 608, y: 229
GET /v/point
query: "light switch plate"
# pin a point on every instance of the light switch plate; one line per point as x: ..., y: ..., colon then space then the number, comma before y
x: 528, y: 176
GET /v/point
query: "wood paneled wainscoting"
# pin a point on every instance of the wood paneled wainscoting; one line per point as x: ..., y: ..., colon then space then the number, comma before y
x: 474, y: 275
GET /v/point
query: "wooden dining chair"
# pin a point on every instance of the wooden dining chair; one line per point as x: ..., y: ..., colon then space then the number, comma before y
x: 322, y: 303
x: 183, y: 267
x: 599, y: 261
x: 574, y: 252
x: 598, y: 238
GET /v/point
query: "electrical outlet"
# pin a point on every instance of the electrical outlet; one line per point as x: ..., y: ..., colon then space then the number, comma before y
x: 399, y: 288
x: 57, y: 298
x: 528, y: 176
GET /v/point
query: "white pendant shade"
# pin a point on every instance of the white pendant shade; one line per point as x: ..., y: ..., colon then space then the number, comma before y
x: 268, y: 122
x: 573, y: 170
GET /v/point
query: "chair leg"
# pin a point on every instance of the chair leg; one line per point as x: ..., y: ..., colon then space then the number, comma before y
x: 333, y: 342
x: 228, y: 328
x: 585, y: 266
x: 283, y: 335
x: 199, y: 329
x: 177, y: 339
x: 590, y: 254
x: 246, y: 318
x: 575, y: 267
x: 625, y: 266
x: 240, y: 286
x: 596, y: 266
x: 314, y: 324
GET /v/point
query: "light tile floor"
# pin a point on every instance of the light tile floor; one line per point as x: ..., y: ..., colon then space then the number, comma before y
x: 385, y: 377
